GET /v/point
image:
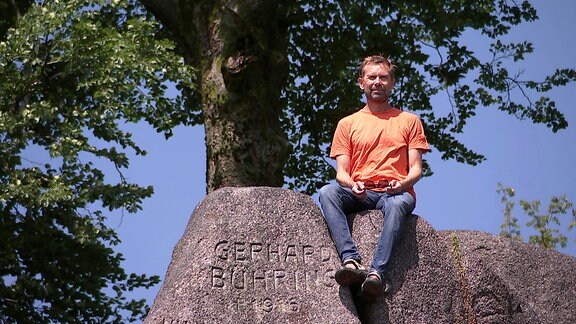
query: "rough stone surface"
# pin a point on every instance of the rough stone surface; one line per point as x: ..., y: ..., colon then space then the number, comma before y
x: 515, y: 282
x: 424, y: 283
x: 254, y: 255
x: 264, y: 255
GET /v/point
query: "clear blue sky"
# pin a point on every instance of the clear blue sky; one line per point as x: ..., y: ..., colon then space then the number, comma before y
x: 536, y: 162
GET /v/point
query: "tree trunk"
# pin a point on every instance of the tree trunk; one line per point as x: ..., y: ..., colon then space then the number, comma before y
x: 239, y: 47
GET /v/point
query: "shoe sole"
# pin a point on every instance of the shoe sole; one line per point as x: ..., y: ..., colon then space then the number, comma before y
x: 347, y: 276
x: 372, y: 289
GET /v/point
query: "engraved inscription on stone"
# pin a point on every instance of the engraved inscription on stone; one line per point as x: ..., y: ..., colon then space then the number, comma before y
x: 271, y: 267
x: 266, y: 304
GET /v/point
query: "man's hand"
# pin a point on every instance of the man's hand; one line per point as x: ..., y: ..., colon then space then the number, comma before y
x: 394, y: 187
x: 359, y: 190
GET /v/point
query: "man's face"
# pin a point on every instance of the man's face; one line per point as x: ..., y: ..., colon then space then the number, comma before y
x: 376, y: 82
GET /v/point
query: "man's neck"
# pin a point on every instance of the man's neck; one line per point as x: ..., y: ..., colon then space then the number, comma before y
x: 377, y: 107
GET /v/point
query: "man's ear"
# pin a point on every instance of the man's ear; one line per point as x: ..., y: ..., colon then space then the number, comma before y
x: 361, y: 83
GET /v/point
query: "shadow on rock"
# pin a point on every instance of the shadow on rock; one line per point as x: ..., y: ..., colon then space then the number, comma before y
x: 419, y: 268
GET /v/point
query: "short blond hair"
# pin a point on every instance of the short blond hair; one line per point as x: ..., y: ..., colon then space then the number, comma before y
x: 377, y: 59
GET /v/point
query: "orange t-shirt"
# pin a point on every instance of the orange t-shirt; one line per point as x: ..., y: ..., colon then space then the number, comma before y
x: 378, y: 144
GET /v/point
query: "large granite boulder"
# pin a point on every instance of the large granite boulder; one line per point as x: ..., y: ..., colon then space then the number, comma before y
x: 508, y: 281
x: 264, y: 255
x: 254, y: 255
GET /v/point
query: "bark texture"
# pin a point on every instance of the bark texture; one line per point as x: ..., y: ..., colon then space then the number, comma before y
x: 239, y: 48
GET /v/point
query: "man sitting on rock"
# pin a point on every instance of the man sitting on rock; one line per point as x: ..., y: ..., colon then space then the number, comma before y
x: 378, y: 152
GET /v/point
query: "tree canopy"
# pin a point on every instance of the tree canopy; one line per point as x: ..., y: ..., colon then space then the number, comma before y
x: 309, y: 51
x: 72, y: 74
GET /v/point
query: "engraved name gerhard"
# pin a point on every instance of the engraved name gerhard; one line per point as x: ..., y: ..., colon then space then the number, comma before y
x: 271, y: 252
x: 271, y: 267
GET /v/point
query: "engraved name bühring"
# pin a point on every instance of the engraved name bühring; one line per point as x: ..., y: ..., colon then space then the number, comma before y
x: 289, y: 267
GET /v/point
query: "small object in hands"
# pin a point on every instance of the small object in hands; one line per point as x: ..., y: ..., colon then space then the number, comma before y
x: 377, y: 184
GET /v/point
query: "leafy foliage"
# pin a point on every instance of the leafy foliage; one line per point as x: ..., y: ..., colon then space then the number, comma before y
x: 427, y: 41
x: 10, y: 12
x: 72, y: 75
x: 510, y: 228
x: 548, y: 226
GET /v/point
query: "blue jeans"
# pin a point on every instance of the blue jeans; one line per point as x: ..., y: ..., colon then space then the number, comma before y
x: 337, y: 202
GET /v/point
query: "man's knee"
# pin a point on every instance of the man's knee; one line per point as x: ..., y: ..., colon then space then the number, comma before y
x: 401, y: 205
x: 326, y: 191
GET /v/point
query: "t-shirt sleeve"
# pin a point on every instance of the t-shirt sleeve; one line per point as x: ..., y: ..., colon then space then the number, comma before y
x: 341, y: 140
x: 417, y: 138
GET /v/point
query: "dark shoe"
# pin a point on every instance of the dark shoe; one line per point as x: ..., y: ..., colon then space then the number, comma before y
x: 373, y: 287
x: 351, y: 272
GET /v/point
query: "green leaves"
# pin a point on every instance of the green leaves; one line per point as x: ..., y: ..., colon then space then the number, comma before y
x: 549, y: 227
x: 72, y: 75
x: 510, y: 227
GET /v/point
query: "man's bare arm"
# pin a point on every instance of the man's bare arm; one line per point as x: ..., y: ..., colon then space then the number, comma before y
x: 342, y: 174
x: 415, y: 171
x: 345, y: 180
